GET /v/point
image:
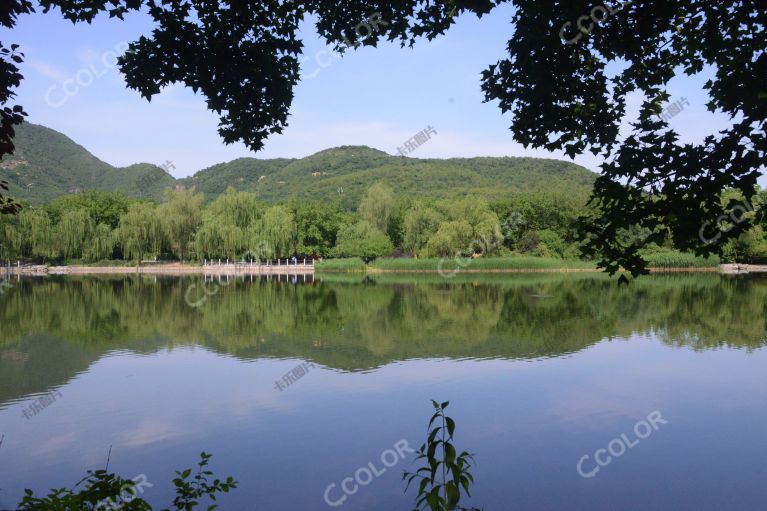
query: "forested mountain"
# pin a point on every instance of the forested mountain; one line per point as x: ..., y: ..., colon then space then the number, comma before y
x: 47, y: 164
x: 347, y: 172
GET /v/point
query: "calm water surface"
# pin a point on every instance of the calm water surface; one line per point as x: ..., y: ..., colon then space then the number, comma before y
x: 541, y: 370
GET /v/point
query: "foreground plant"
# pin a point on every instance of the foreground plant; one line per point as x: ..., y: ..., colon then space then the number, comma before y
x: 445, y: 475
x: 102, y: 491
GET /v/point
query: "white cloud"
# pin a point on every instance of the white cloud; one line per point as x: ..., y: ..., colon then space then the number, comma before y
x: 47, y: 70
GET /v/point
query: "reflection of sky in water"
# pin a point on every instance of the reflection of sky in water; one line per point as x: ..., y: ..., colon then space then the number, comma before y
x: 527, y: 421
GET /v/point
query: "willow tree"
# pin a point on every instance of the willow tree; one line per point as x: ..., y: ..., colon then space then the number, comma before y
x: 420, y: 223
x: 485, y: 226
x: 180, y: 215
x: 453, y: 238
x: 101, y: 244
x: 72, y: 233
x: 570, y: 69
x: 39, y: 234
x: 362, y: 239
x: 9, y: 238
x: 277, y: 232
x: 242, y: 209
x: 228, y: 225
x: 140, y: 232
x: 215, y: 240
x: 377, y: 206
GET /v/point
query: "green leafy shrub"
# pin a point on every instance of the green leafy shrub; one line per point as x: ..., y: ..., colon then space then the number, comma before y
x: 102, y: 490
x: 446, y: 474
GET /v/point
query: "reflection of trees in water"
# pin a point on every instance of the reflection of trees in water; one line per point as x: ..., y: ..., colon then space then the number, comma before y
x: 351, y: 326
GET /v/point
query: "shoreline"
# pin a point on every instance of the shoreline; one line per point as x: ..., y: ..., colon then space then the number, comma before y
x: 373, y: 271
x: 163, y: 269
x: 300, y: 269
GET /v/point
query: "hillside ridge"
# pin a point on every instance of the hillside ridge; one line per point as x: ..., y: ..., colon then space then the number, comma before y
x: 48, y: 164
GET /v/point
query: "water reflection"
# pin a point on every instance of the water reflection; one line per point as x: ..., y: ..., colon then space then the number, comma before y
x: 522, y: 357
x: 353, y: 324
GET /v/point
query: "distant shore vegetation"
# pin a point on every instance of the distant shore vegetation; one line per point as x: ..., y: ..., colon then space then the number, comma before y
x: 384, y: 232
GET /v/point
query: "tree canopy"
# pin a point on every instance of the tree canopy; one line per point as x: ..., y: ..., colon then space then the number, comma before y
x: 570, y: 69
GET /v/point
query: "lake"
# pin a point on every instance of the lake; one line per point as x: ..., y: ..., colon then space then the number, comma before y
x: 572, y: 392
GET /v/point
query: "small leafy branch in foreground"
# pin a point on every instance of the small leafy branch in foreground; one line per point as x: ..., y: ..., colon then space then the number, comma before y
x: 445, y: 475
x: 188, y: 493
x: 102, y: 490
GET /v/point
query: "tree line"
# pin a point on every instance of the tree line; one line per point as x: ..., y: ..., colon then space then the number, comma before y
x: 98, y: 226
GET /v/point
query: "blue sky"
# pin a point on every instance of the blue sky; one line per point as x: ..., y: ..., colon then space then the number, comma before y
x: 378, y: 97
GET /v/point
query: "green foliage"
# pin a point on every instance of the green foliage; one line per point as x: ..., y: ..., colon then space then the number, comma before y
x: 238, y: 225
x: 180, y: 216
x: 550, y: 244
x: 442, y: 228
x: 278, y: 232
x: 749, y: 247
x: 36, y: 234
x: 362, y: 239
x: 446, y: 475
x: 229, y: 224
x: 47, y: 165
x: 101, y: 244
x: 649, y: 179
x: 676, y: 259
x: 350, y: 264
x: 377, y: 206
x: 140, y: 232
x: 420, y: 223
x: 101, y: 490
x: 515, y: 263
x: 317, y: 226
x: 10, y: 78
x: 73, y: 231
x: 452, y: 238
x: 101, y: 207
x: 190, y: 492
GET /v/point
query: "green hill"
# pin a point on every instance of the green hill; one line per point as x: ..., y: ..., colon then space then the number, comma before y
x: 47, y: 164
